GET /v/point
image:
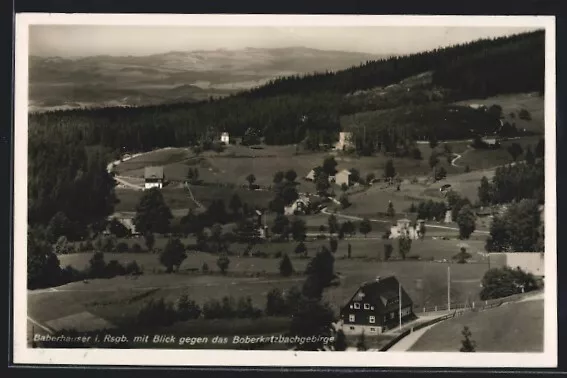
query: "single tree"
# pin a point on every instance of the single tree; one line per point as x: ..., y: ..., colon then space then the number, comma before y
x: 467, y: 168
x: 344, y: 187
x: 390, y: 212
x: 311, y: 317
x: 530, y: 157
x: 152, y: 214
x: 301, y: 249
x: 235, y: 203
x: 216, y: 235
x: 298, y: 230
x: 440, y: 174
x: 333, y: 244
x: 466, y: 220
x: 290, y: 175
x: 278, y: 177
x: 433, y: 141
x: 515, y: 150
x: 484, y: 192
x: 388, y: 250
x: 404, y: 246
x: 322, y: 183
x: 286, y: 268
x: 150, y: 240
x: 349, y: 251
x: 365, y: 227
x: 348, y: 228
x: 330, y: 166
x: 172, y: 255
x: 223, y: 263
x: 467, y: 345
x: 433, y: 161
x: 389, y: 170
x: 370, y: 178
x: 281, y: 225
x: 361, y: 343
x: 421, y: 229
x: 251, y: 179
x: 333, y: 224
x: 275, y: 303
x: 340, y: 341
x: 344, y: 200
x: 540, y: 149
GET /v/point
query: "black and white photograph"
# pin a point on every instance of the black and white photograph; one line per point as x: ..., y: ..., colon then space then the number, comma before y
x: 209, y: 189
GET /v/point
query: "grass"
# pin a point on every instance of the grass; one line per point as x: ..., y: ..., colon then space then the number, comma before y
x: 514, y: 327
x: 175, y: 198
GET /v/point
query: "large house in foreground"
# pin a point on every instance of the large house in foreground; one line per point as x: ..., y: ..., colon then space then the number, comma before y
x: 375, y: 307
x: 153, y: 177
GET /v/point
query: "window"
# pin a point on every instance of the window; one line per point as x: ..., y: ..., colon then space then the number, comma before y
x: 372, y: 307
x: 351, y: 318
x: 372, y: 329
x: 366, y: 306
x: 372, y: 319
x: 357, y: 306
x: 352, y: 328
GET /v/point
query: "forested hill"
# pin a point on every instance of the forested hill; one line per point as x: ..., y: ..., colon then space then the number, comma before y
x: 477, y: 69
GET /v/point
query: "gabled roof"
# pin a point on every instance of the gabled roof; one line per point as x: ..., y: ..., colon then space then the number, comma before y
x: 384, y: 288
x: 153, y: 173
x: 344, y: 171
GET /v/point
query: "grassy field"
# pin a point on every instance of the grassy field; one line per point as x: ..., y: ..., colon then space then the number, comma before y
x: 513, y: 103
x: 175, y: 198
x: 514, y: 327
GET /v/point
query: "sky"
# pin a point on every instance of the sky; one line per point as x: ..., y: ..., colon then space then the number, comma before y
x: 88, y: 40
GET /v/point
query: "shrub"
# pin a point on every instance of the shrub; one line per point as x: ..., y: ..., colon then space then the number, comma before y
x: 114, y: 268
x: 156, y: 313
x: 187, y: 308
x: 245, y: 309
x: 205, y: 268
x: 133, y: 268
x: 136, y: 248
x: 214, y: 309
x: 278, y: 254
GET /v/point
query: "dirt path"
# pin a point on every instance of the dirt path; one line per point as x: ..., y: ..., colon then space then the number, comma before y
x: 199, y: 204
x: 407, y: 342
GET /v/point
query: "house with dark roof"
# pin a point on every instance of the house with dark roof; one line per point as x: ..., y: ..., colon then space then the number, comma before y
x: 153, y: 177
x: 376, y: 306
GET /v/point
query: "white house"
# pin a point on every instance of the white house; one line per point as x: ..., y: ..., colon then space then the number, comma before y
x: 343, y: 177
x: 403, y: 227
x: 345, y: 141
x: 225, y: 138
x: 153, y: 177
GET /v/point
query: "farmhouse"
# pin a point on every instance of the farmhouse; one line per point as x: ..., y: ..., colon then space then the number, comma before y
x: 127, y: 220
x: 531, y: 262
x: 225, y: 138
x: 153, y: 177
x: 491, y: 142
x: 403, y: 227
x: 300, y: 205
x: 345, y: 141
x: 343, y: 177
x: 376, y: 306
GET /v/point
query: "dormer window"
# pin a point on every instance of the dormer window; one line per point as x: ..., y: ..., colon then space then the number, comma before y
x: 357, y: 306
x: 367, y: 306
x: 372, y: 319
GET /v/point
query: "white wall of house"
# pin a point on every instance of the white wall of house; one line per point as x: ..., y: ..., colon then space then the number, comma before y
x: 150, y: 185
x: 356, y: 329
x: 342, y: 178
x: 225, y: 138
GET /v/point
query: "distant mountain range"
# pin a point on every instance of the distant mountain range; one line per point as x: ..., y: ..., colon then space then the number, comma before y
x: 95, y: 81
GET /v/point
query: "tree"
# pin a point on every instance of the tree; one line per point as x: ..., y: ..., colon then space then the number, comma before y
x: 290, y: 175
x: 333, y: 224
x: 466, y: 220
x: 149, y: 239
x: 173, y: 255
x: 333, y: 244
x: 286, y: 268
x: 275, y: 303
x: 540, y: 149
x: 503, y: 282
x: 298, y: 230
x: 251, y: 179
x: 340, y: 341
x: 354, y: 175
x: 345, y: 202
x: 433, y: 142
x: 515, y: 150
x: 281, y: 225
x: 462, y: 256
x: 467, y: 168
x: 348, y: 228
x: 152, y: 214
x: 390, y: 212
x: 349, y: 251
x: 301, y: 249
x: 311, y: 317
x: 365, y: 227
x: 495, y: 111
x: 223, y: 262
x: 389, y: 170
x: 320, y: 271
x: 530, y: 157
x: 388, y: 250
x: 467, y: 345
x: 322, y: 183
x: 235, y: 203
x: 216, y: 235
x: 421, y: 230
x: 404, y: 246
x: 278, y: 177
x: 62, y: 246
x: 416, y: 153
x: 97, y: 265
x: 187, y: 308
x: 370, y: 178
x: 440, y: 174
x: 344, y: 187
x: 330, y: 166
x: 525, y: 115
x: 116, y: 228
x: 484, y: 192
x: 433, y: 161
x: 192, y: 175
x: 361, y: 343
x: 42, y: 264
x: 59, y: 225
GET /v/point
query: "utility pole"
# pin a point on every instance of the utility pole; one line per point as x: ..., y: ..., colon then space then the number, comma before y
x: 448, y: 287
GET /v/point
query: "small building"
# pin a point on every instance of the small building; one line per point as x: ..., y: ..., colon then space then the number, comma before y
x: 403, y: 227
x: 299, y: 206
x: 345, y: 141
x: 153, y: 177
x: 225, y: 138
x: 530, y: 262
x: 311, y: 175
x: 491, y: 142
x: 343, y: 177
x: 376, y: 306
